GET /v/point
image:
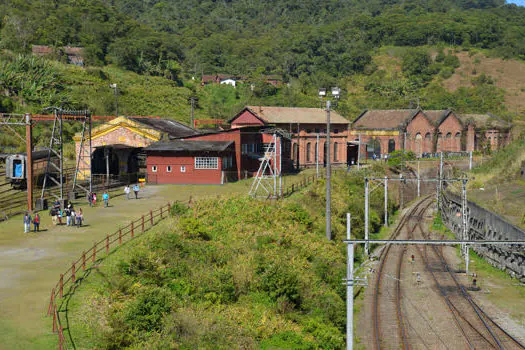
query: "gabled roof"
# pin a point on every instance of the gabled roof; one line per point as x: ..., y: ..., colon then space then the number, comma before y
x: 384, y: 119
x: 293, y: 115
x: 173, y: 128
x: 189, y: 146
x: 484, y: 120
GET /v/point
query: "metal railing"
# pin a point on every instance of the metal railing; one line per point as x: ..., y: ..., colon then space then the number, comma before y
x: 68, y: 280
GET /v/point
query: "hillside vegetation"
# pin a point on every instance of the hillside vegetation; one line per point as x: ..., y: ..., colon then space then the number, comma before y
x: 227, y: 273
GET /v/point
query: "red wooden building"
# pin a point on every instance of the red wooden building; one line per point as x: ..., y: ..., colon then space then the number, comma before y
x: 189, y: 162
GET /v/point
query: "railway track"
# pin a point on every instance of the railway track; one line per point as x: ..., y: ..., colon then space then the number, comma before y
x: 388, y: 320
x: 478, y: 329
x: 391, y: 326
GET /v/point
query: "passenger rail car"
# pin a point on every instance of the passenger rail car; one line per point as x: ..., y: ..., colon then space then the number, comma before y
x: 16, y: 167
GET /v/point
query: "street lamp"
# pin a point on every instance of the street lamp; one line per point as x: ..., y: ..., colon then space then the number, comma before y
x: 114, y: 87
x: 322, y: 94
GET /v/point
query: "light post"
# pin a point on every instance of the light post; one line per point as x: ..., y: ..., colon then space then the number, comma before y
x: 322, y: 94
x: 114, y: 87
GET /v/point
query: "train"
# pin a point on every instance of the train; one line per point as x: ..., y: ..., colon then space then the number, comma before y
x: 16, y: 167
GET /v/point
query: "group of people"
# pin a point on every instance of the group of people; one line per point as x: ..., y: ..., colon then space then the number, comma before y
x: 73, y: 217
x: 28, y: 220
x: 136, y: 190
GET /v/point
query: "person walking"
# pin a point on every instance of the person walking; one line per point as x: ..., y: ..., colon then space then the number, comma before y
x: 80, y: 217
x: 136, y: 189
x: 67, y: 211
x: 36, y: 223
x: 126, y: 191
x: 105, y: 197
x: 27, y: 223
x: 90, y: 199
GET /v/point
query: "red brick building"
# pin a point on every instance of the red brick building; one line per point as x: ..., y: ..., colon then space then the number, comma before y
x: 189, y: 162
x: 428, y: 131
x: 304, y: 125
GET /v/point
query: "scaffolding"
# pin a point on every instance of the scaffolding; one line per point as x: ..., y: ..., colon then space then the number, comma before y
x: 55, y: 169
x: 268, y: 182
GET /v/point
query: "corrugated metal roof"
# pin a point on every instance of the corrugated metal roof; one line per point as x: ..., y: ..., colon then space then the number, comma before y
x: 383, y: 119
x: 189, y: 146
x: 173, y: 128
x: 276, y: 115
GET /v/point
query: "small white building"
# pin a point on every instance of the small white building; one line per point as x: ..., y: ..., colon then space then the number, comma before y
x: 229, y: 82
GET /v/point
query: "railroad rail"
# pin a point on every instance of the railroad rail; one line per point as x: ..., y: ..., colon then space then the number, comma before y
x: 474, y: 325
x: 393, y: 271
x: 477, y: 328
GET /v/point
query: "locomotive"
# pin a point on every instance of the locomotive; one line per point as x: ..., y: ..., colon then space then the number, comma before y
x: 16, y: 167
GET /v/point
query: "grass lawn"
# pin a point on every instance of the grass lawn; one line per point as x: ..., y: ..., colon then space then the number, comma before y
x: 30, y: 264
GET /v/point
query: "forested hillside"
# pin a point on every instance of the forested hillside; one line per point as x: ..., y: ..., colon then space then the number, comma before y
x: 384, y: 54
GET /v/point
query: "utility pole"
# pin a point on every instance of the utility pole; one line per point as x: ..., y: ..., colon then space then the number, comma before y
x: 29, y: 165
x: 386, y: 201
x: 192, y: 100
x: 366, y: 216
x: 280, y: 167
x: 418, y: 181
x: 106, y: 155
x: 115, y: 90
x: 317, y: 157
x: 464, y: 214
x: 349, y: 288
x: 322, y: 93
x: 439, y: 184
x: 470, y: 161
x: 275, y: 168
x: 328, y: 174
x: 359, y: 154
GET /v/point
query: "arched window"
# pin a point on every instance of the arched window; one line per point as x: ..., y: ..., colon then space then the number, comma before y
x: 335, y: 150
x: 449, y: 135
x: 308, y: 150
x: 458, y: 135
x: 440, y: 135
x: 391, y: 145
x: 427, y: 136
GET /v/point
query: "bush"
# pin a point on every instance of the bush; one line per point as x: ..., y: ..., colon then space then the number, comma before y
x: 179, y: 209
x: 145, y: 313
x: 279, y: 281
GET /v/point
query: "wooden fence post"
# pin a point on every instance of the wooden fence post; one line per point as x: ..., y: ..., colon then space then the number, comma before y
x: 51, y: 303
x: 142, y: 223
x: 169, y: 208
x: 73, y: 272
x: 61, y: 285
x: 94, y: 256
x: 151, y: 217
x: 107, y: 244
x: 161, y: 212
x: 120, y: 234
x: 55, y: 319
x: 84, y: 261
x: 60, y: 338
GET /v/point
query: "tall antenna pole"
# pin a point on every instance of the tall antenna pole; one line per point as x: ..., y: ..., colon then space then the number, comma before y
x: 29, y: 165
x: 328, y: 174
x: 317, y: 157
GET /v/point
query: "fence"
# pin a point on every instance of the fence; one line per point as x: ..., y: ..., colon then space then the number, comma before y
x: 68, y: 280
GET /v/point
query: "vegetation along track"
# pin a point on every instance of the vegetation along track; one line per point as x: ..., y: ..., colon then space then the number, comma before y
x: 386, y: 308
x: 476, y: 327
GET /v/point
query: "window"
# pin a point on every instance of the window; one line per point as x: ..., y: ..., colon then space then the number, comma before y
x: 458, y: 135
x: 308, y: 131
x: 335, y: 151
x: 182, y: 169
x: 206, y: 163
x: 153, y: 168
x: 168, y: 169
x: 308, y: 150
x: 317, y: 130
x: 252, y: 147
x: 244, y: 148
x: 336, y: 131
x: 316, y: 152
x: 449, y: 135
x: 427, y: 136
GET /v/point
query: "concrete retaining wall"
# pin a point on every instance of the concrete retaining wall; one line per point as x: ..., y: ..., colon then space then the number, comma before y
x: 485, y: 225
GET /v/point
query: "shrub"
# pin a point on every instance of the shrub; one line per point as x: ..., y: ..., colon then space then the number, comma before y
x: 279, y: 281
x: 193, y: 228
x: 145, y: 313
x: 287, y: 340
x: 179, y: 209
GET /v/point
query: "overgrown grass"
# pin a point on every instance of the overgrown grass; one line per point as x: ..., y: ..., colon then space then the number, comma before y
x: 227, y: 273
